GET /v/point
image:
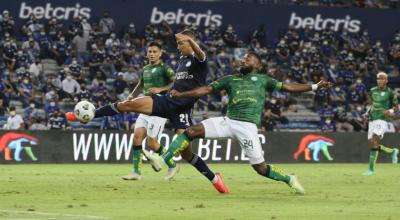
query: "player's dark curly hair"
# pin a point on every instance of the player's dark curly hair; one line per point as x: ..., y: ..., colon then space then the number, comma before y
x: 154, y: 44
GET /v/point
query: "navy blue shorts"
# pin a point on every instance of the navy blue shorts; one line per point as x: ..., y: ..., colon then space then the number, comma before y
x: 179, y: 114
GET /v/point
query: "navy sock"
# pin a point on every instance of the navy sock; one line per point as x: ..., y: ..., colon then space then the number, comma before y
x: 107, y: 110
x: 202, y: 167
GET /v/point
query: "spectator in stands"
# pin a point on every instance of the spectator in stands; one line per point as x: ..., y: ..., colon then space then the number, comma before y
x: 131, y: 76
x: 61, y: 50
x: 328, y: 126
x: 129, y: 120
x: 51, y: 108
x: 56, y: 121
x: 70, y: 86
x: 274, y: 107
x: 3, y: 108
x: 83, y: 95
x: 337, y: 96
x: 26, y: 91
x: 7, y: 23
x: 79, y: 46
x: 75, y: 68
x: 36, y: 69
x: 106, y: 23
x: 260, y: 35
x: 36, y: 124
x: 119, y: 86
x: 357, y: 118
x: 31, y: 48
x: 30, y: 112
x: 342, y: 119
x: 321, y: 96
x: 14, y: 121
x: 268, y: 123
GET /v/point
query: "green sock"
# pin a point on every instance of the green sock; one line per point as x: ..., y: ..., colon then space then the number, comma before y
x: 179, y: 144
x: 373, y: 156
x: 384, y: 149
x: 137, y: 159
x: 170, y: 163
x: 277, y: 174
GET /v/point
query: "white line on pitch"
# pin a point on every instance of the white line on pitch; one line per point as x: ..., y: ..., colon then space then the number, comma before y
x: 51, y: 213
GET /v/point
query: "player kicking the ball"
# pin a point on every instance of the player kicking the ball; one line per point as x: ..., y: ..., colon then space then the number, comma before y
x: 191, y: 73
x: 155, y: 78
x: 383, y: 105
x: 246, y: 93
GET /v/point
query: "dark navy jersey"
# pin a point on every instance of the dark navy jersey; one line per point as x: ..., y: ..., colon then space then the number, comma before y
x: 190, y: 73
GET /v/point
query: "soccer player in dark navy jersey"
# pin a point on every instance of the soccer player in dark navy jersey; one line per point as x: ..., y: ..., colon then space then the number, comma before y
x: 191, y: 73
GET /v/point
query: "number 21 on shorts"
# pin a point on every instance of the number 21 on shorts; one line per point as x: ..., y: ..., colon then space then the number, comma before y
x: 184, y: 118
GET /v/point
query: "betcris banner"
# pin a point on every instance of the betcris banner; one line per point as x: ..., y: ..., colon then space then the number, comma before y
x: 245, y: 17
x: 20, y: 147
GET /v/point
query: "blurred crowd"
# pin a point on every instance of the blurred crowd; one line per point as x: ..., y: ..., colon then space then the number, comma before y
x: 330, y: 3
x: 96, y: 62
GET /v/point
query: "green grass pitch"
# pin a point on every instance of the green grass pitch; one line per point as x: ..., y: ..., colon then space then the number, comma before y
x: 96, y: 191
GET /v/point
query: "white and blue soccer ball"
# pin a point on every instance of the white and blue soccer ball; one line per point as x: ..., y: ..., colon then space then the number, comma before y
x: 84, y: 111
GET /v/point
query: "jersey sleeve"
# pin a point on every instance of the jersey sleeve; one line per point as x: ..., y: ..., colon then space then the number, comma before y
x: 169, y: 73
x: 273, y: 85
x: 221, y: 83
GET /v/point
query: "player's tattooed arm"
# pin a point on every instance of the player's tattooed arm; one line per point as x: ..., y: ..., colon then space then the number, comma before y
x: 136, y: 91
x: 198, y: 52
x: 197, y: 92
x: 296, y: 87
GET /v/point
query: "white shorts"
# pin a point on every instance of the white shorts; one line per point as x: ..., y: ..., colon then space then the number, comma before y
x: 154, y: 125
x: 244, y: 132
x: 378, y: 127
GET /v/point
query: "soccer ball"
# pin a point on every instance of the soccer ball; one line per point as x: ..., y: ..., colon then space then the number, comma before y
x: 84, y: 111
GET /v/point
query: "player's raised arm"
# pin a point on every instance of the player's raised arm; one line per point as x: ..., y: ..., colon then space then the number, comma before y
x: 296, y: 87
x: 197, y: 92
x: 189, y: 37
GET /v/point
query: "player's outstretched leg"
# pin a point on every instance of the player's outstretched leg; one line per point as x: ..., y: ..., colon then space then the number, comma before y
x: 201, y: 166
x: 140, y: 105
x: 272, y: 172
x: 387, y: 150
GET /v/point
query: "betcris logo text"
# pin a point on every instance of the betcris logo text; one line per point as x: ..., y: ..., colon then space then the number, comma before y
x: 48, y: 11
x: 178, y: 17
x: 320, y: 23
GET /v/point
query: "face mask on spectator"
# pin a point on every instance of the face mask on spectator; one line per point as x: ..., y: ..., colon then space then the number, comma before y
x: 328, y: 121
x: 74, y: 62
x: 20, y: 53
x: 62, y: 39
x: 359, y: 81
x: 69, y: 77
x: 378, y: 43
x: 359, y: 108
x: 207, y: 32
x: 26, y: 81
x: 32, y: 105
x: 126, y: 92
x: 52, y: 92
x: 273, y: 101
x: 337, y: 89
x: 42, y: 33
x: 52, y: 104
x: 12, y: 113
x: 173, y: 63
x: 332, y: 66
x: 325, y: 42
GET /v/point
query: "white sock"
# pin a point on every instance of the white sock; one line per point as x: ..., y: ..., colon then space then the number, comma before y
x: 215, y: 179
